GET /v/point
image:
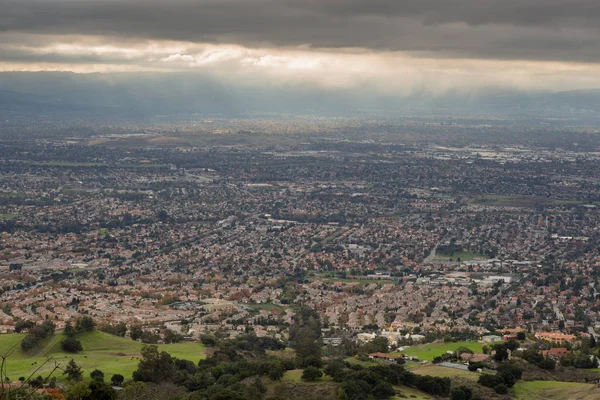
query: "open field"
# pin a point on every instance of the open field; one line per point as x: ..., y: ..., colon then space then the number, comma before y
x: 285, y: 353
x: 111, y: 354
x: 553, y: 390
x: 8, y: 217
x: 463, y: 255
x: 427, y: 352
x: 445, y: 372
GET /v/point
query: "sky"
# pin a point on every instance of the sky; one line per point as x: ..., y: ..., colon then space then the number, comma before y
x: 391, y: 46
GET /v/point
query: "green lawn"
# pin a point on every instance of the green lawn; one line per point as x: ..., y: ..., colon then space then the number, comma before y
x: 445, y: 372
x: 553, y: 390
x: 8, y: 217
x: 111, y: 354
x: 427, y: 352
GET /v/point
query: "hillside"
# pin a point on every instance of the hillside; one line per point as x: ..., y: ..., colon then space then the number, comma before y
x: 110, y: 354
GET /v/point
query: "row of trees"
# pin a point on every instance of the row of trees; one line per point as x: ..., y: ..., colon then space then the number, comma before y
x: 70, y: 344
x: 98, y: 389
x: 36, y: 334
x: 506, y: 377
x: 137, y: 333
x: 225, y: 375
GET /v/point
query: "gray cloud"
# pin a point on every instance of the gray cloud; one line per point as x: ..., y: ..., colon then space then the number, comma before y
x: 557, y: 30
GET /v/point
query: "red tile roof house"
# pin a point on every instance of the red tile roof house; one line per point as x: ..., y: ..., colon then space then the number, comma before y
x: 556, y: 352
x: 466, y: 357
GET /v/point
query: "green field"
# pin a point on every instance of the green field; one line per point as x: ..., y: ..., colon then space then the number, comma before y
x: 111, y: 354
x: 445, y: 372
x: 553, y: 390
x: 8, y: 217
x: 427, y: 352
x: 463, y: 255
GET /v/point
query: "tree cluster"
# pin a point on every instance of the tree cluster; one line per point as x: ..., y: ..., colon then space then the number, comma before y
x: 36, y: 334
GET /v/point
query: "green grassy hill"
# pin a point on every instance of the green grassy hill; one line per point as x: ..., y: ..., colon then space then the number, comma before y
x: 546, y: 390
x: 110, y: 354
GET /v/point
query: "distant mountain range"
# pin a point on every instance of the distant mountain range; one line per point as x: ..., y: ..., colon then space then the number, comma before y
x: 65, y: 95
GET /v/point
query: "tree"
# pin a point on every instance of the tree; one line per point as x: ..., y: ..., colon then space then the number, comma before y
x: 509, y: 373
x: 462, y: 393
x: 22, y: 325
x: 85, y: 324
x: 501, y: 353
x: 512, y: 345
x: 383, y: 390
x: 173, y: 337
x: 37, y: 334
x: 357, y: 389
x: 77, y: 391
x: 463, y: 350
x: 547, y: 363
x: 276, y: 373
x: 119, y: 329
x: 490, y: 381
x: 208, y: 340
x: 378, y: 345
x: 311, y: 373
x: 37, y: 382
x: 135, y: 332
x: 521, y: 335
x: 162, y: 215
x: 97, y: 375
x: 307, y: 345
x: 69, y: 330
x: 501, y: 389
x: 117, y: 379
x: 334, y: 368
x: 154, y: 366
x: 73, y: 371
x: 101, y: 391
x: 71, y: 345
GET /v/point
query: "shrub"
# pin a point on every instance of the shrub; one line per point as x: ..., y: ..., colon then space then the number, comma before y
x: 501, y: 389
x: 490, y: 381
x: 97, y: 375
x: 311, y: 373
x: 117, y: 379
x: 71, y: 345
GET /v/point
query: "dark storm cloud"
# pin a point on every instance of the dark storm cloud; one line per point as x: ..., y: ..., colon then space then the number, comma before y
x: 561, y: 30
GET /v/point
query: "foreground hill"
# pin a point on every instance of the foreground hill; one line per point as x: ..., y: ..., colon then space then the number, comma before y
x: 549, y: 390
x: 110, y: 354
